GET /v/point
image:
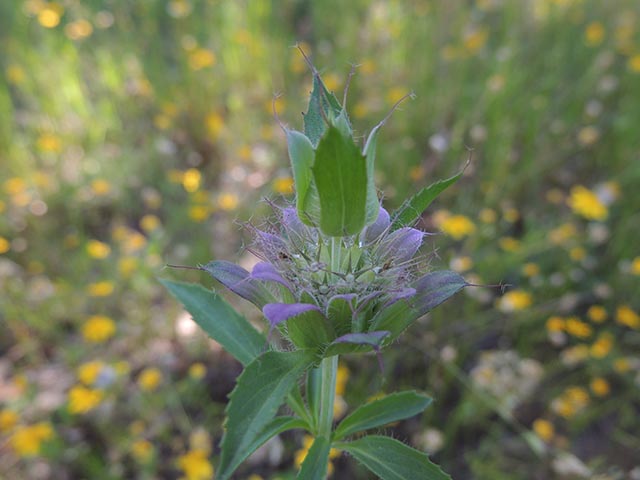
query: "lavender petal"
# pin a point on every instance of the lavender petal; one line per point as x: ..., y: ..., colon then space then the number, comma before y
x: 238, y: 280
x: 378, y: 227
x: 434, y: 288
x: 402, y: 245
x: 265, y: 271
x: 277, y: 313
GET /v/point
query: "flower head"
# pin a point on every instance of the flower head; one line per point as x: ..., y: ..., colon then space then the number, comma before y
x: 322, y: 291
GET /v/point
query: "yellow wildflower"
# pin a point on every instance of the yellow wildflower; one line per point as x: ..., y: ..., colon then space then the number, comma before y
x: 602, y: 346
x: 515, y: 300
x: 100, y: 289
x: 635, y: 266
x: 78, y: 29
x: 200, y: 440
x: 588, y: 135
x: 417, y: 172
x: 197, y: 371
x: 587, y: 204
x: 342, y: 377
x: 395, y: 94
x: 179, y: 8
x: 88, y: 372
x: 228, y: 201
x: 149, y: 223
x: 509, y: 244
x: 488, y: 215
x: 5, y: 246
x: 577, y: 254
x: 576, y: 327
x: 283, y: 185
x: 599, y: 386
x: 199, y: 213
x: 100, y: 187
x: 149, y: 379
x: 98, y: 328
x: 457, y: 226
x: 49, y: 17
x: 511, y: 215
x: 47, y: 142
x: 561, y: 234
x: 627, y: 317
x: 622, y: 365
x: 142, y: 450
x: 475, y: 40
x: 8, y: 420
x: 597, y: 313
x: 191, y: 180
x: 555, y: 324
x: 27, y: 440
x: 201, y: 58
x: 195, y: 465
x: 461, y: 264
x: 634, y: 63
x: 215, y: 124
x: 127, y: 265
x: 98, y: 249
x: 544, y: 429
x: 133, y: 241
x: 83, y: 400
x: 594, y: 34
x: 15, y: 74
x: 530, y: 269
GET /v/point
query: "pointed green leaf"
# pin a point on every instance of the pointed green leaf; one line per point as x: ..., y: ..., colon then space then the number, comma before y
x: 221, y: 322
x: 340, y: 176
x: 382, y: 411
x: 316, y: 462
x: 393, y: 460
x: 373, y: 204
x: 260, y: 390
x: 323, y: 105
x: 302, y: 156
x: 310, y: 330
x: 413, y: 207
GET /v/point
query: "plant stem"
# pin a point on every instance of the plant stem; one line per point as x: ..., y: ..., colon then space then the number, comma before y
x: 329, y: 369
x: 336, y: 253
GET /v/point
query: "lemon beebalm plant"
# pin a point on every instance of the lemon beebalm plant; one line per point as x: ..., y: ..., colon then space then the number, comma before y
x: 338, y: 275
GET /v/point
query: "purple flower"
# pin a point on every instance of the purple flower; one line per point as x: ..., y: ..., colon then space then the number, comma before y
x: 350, y: 293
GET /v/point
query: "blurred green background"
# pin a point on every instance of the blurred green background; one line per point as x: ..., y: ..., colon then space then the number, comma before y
x: 136, y: 134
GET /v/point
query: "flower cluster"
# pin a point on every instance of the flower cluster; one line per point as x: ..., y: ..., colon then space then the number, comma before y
x: 359, y: 289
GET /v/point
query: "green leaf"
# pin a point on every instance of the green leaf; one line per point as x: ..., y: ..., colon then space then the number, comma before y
x: 393, y: 460
x: 310, y: 330
x: 340, y: 176
x: 221, y: 322
x: 275, y: 427
x: 382, y: 411
x: 316, y: 462
x: 260, y: 390
x: 323, y: 105
x: 413, y: 207
x: 373, y: 204
x: 302, y: 156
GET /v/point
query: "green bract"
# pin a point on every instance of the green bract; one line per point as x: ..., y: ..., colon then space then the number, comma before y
x: 338, y: 274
